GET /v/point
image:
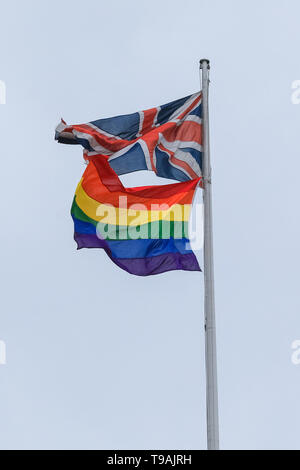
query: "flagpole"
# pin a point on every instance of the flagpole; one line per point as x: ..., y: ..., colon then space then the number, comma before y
x: 209, y: 299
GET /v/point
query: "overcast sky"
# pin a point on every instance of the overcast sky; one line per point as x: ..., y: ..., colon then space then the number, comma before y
x: 99, y: 359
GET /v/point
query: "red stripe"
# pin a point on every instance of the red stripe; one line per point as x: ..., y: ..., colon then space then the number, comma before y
x: 180, y: 163
x: 184, y: 165
x: 102, y: 184
x: 149, y: 116
x: 190, y: 107
x: 187, y: 131
x: 110, y: 179
x: 151, y: 144
x: 109, y: 143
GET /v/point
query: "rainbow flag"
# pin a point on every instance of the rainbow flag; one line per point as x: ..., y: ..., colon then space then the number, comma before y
x: 143, y: 230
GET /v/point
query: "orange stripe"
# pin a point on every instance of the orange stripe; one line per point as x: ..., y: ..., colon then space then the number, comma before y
x: 178, y: 193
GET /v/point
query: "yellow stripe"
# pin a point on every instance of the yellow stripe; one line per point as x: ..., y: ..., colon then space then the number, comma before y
x: 116, y: 216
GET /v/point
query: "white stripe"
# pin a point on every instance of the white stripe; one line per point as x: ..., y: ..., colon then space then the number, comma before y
x: 61, y: 127
x: 188, y: 117
x: 179, y: 168
x: 156, y: 115
x: 177, y: 144
x: 187, y: 158
x: 101, y: 131
x: 185, y: 106
x: 141, y: 113
x: 176, y: 166
x: 192, y: 118
x: 121, y: 152
x: 92, y: 141
x: 125, y: 150
x: 154, y: 158
x: 146, y: 153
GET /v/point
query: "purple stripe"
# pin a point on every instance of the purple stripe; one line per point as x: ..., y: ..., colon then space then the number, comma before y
x: 142, y: 266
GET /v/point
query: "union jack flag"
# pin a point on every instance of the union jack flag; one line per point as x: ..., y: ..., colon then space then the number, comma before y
x: 165, y: 139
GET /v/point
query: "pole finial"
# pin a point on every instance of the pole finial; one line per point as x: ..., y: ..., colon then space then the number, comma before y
x: 204, y: 63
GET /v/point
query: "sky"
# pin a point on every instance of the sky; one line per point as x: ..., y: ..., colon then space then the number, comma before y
x: 99, y: 359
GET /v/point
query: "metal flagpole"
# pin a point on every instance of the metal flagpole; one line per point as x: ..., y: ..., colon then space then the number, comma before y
x: 209, y: 299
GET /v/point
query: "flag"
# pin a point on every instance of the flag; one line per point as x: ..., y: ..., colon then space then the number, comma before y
x: 165, y: 139
x: 143, y: 230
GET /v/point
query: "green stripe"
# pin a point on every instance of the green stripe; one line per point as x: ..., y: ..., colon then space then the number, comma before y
x: 79, y: 214
x: 160, y: 229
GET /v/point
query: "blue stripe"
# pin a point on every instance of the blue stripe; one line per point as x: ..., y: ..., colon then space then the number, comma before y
x: 132, y: 160
x: 196, y: 154
x: 137, y: 248
x: 147, y: 248
x: 83, y: 227
x: 197, y: 111
x: 125, y: 126
x: 166, y: 110
x: 165, y: 170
